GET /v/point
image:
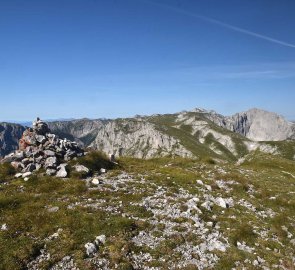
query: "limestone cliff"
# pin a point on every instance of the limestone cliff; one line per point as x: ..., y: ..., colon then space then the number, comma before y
x: 138, y: 138
x: 9, y: 136
x: 260, y: 125
x: 255, y: 124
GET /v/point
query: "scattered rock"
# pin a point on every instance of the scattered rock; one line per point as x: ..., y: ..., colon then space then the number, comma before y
x: 41, y: 258
x: 62, y: 172
x: 50, y: 172
x: 54, y: 235
x: 90, y: 249
x: 200, y: 182
x: 208, y: 187
x: 26, y: 174
x: 216, y: 245
x: 207, y: 205
x: 81, y: 168
x: 100, y: 240
x: 67, y: 263
x: 18, y: 175
x: 4, y: 227
x: 242, y: 246
x: 53, y: 209
x: 95, y: 181
x: 221, y: 202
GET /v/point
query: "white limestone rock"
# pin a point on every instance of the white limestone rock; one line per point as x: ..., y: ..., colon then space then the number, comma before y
x: 81, y: 168
x: 221, y: 202
x: 101, y: 239
x: 95, y: 181
x: 90, y: 249
x: 200, y: 182
x: 62, y: 172
x: 4, y: 227
x: 27, y: 174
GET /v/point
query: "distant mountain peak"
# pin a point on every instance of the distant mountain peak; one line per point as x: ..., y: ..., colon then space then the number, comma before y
x: 201, y: 110
x: 259, y: 125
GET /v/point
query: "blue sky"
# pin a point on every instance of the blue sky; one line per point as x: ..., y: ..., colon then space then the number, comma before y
x: 118, y: 58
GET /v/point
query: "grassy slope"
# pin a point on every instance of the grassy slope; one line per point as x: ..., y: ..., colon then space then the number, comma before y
x: 286, y: 148
x: 24, y: 208
x: 167, y: 123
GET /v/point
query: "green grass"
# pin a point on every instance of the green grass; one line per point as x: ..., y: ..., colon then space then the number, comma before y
x: 94, y: 161
x: 6, y: 172
x: 24, y: 208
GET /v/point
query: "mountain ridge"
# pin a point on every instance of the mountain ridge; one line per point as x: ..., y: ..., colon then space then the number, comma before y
x: 195, y: 133
x: 201, y: 132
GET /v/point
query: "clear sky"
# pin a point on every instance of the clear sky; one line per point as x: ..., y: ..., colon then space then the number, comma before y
x: 118, y: 58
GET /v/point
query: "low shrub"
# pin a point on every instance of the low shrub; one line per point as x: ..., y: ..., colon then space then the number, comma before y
x: 95, y: 161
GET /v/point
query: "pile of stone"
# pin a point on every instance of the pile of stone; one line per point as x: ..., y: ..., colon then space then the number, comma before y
x: 39, y: 148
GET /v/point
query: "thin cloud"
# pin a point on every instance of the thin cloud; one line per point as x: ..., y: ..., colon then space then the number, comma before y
x: 224, y: 25
x: 244, y: 31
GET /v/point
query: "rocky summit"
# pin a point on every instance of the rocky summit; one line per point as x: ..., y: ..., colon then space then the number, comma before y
x: 39, y: 148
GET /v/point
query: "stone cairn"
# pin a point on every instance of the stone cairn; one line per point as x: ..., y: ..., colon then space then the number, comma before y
x: 39, y: 148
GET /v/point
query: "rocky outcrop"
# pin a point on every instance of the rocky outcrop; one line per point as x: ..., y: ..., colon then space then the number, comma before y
x: 39, y: 148
x: 137, y: 138
x: 257, y: 125
x: 83, y: 131
x: 9, y: 136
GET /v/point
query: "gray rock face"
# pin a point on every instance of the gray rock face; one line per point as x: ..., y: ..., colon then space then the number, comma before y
x: 137, y: 138
x: 258, y: 125
x: 83, y: 131
x: 9, y: 136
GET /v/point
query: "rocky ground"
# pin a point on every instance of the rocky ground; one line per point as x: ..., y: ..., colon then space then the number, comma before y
x: 154, y: 214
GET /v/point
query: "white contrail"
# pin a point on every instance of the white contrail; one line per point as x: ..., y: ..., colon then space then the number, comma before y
x: 225, y: 25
